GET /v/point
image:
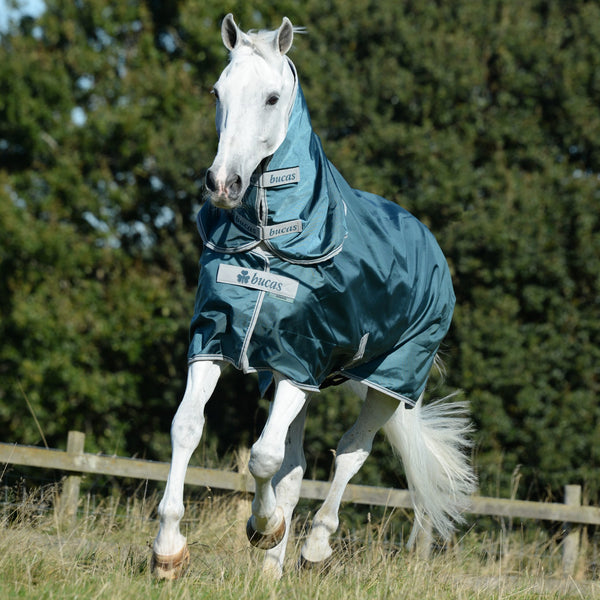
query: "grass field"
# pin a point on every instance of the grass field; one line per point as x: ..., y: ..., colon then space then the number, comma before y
x: 104, y: 554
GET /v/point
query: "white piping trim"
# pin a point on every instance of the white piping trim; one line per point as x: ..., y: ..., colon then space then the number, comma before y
x: 379, y: 388
x: 243, y: 360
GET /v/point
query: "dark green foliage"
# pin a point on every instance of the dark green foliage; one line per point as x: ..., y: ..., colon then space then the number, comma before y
x: 482, y: 118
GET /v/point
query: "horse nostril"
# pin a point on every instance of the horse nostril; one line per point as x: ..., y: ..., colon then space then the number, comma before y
x: 211, y: 183
x: 234, y: 185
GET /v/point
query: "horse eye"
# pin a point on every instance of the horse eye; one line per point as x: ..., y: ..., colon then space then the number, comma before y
x: 273, y: 100
x: 215, y: 94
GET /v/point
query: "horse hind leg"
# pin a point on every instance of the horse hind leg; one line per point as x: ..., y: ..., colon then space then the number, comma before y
x: 171, y: 557
x: 353, y: 449
x: 431, y: 441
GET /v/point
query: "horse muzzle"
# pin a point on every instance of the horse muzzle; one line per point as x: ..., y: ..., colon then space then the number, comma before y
x: 225, y: 194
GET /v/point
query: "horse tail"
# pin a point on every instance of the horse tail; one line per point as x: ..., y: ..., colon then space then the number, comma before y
x: 432, y: 440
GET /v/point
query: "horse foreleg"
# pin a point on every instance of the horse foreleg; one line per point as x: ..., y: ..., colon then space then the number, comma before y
x: 352, y: 451
x: 266, y: 527
x: 171, y: 556
x: 288, y: 482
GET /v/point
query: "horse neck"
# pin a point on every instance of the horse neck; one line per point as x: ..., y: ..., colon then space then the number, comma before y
x: 296, y: 146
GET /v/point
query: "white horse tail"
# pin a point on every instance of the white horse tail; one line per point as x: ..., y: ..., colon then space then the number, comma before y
x: 432, y: 441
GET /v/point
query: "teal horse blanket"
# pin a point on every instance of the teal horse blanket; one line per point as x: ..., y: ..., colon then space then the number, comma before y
x: 318, y: 281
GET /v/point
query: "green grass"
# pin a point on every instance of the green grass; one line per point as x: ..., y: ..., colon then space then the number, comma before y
x: 105, y: 554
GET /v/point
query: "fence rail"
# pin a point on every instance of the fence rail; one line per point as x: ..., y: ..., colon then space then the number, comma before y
x: 75, y: 460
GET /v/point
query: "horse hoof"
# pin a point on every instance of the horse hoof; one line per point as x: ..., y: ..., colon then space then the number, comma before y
x: 318, y: 566
x: 172, y: 566
x: 265, y: 541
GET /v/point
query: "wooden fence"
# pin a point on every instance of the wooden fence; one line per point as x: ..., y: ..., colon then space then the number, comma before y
x: 74, y: 459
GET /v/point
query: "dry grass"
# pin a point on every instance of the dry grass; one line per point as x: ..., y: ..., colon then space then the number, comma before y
x: 105, y: 554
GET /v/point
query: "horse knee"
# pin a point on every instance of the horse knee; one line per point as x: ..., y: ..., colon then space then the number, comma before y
x: 186, y: 432
x: 265, y: 461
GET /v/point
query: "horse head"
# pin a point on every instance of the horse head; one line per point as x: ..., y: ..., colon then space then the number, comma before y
x: 255, y: 94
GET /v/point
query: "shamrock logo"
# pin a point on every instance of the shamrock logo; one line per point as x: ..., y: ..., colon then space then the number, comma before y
x: 243, y: 277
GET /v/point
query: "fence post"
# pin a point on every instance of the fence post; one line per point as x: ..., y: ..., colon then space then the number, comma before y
x: 425, y: 540
x: 69, y: 498
x: 572, y: 540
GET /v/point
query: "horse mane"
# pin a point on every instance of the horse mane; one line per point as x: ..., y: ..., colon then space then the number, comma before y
x: 261, y: 41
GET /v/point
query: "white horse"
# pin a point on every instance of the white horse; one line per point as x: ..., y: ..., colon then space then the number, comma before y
x: 270, y: 167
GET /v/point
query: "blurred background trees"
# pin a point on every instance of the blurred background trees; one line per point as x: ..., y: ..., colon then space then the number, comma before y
x: 480, y: 117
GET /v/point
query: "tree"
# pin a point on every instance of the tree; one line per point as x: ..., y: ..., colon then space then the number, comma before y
x: 482, y: 118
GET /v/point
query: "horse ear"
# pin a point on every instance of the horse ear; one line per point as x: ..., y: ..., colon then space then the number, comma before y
x: 230, y: 32
x: 285, y: 36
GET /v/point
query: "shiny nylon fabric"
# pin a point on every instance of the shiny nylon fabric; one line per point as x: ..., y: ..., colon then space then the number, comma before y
x: 374, y: 296
x: 316, y: 200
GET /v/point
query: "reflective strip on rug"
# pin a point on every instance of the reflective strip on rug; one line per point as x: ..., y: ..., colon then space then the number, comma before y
x: 267, y: 232
x: 279, y: 177
x: 258, y: 280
